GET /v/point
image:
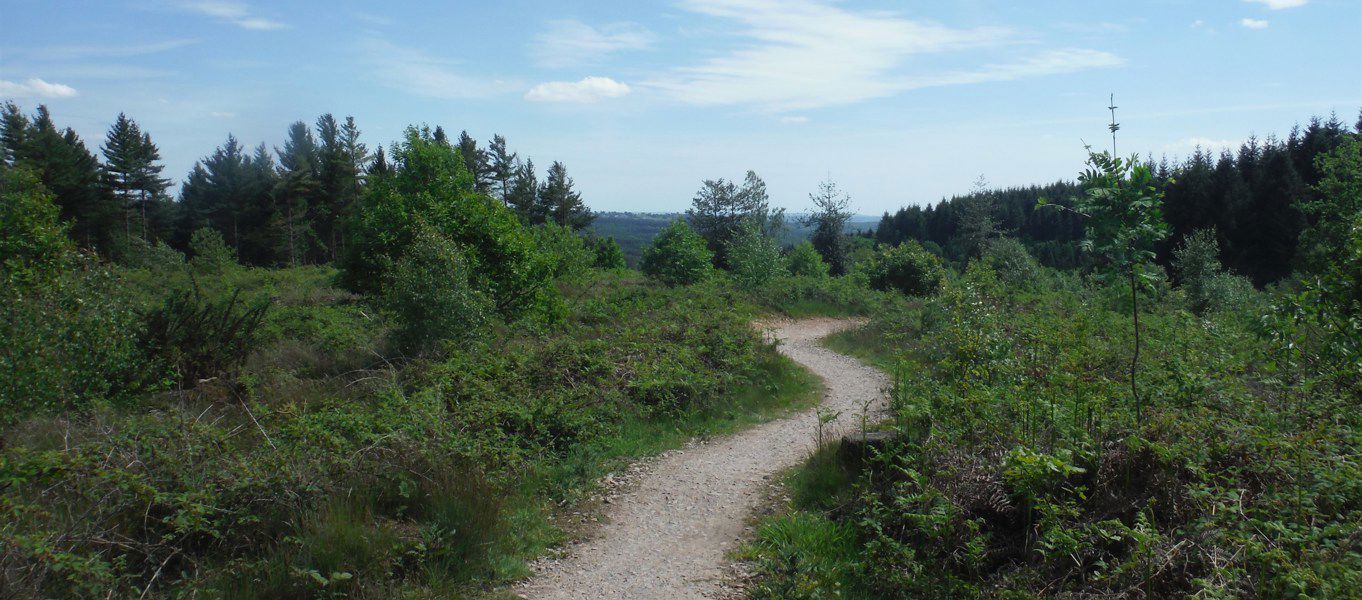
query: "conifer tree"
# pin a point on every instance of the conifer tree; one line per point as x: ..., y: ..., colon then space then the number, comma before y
x: 502, y: 166
x: 298, y: 185
x: 524, y: 196
x: 563, y: 204
x: 828, y: 218
x: 475, y: 160
x: 721, y: 209
x: 74, y: 176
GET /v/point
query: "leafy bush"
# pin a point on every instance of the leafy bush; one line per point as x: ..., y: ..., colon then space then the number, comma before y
x: 70, y: 343
x: 1013, y: 262
x: 677, y: 256
x: 568, y: 254
x: 753, y: 258
x: 33, y: 243
x: 608, y: 253
x: 198, y: 337
x: 431, y: 295
x: 804, y: 261
x: 907, y: 268
x: 1197, y: 262
x: 431, y: 184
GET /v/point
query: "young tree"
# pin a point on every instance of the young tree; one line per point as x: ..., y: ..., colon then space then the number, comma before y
x: 563, y: 204
x: 828, y: 218
x: 977, y: 223
x: 1123, y: 216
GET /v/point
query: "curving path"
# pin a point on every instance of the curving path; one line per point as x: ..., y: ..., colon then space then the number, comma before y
x: 669, y: 535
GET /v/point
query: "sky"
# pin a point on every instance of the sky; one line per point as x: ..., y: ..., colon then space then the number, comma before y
x: 900, y: 103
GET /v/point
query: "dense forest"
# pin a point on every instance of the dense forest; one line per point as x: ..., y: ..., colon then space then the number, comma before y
x: 1251, y: 198
x: 322, y: 371
x: 273, y: 207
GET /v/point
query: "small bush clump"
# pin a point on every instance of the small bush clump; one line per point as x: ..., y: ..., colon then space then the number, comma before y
x: 907, y: 268
x: 677, y: 256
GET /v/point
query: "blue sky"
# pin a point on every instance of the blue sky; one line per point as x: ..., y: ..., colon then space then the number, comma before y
x: 899, y: 102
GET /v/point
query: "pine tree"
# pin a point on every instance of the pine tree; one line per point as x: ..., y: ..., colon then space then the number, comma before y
x: 563, y: 204
x: 720, y: 209
x: 379, y: 167
x: 475, y: 160
x: 132, y: 170
x: 502, y: 167
x: 74, y: 176
x: 216, y: 195
x: 297, y: 187
x: 524, y: 196
x: 828, y: 218
x: 14, y: 130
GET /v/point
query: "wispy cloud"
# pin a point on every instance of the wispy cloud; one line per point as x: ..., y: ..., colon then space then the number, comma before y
x: 222, y: 115
x: 570, y: 43
x: 586, y: 91
x: 35, y: 88
x: 1279, y: 4
x: 76, y: 52
x: 419, y: 73
x: 799, y: 120
x: 1254, y: 23
x: 808, y: 54
x: 236, y: 13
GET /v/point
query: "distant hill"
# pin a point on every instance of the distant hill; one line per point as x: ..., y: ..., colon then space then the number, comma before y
x: 634, y: 231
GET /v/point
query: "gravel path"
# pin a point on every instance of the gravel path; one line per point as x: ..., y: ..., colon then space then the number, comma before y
x: 668, y: 535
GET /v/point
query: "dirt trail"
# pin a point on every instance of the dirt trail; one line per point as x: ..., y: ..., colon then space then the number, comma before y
x: 667, y: 537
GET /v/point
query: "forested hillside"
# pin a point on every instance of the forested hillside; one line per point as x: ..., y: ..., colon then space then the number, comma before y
x: 1253, y: 199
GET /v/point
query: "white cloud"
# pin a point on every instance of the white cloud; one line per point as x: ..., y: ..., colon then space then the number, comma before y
x: 588, y: 90
x: 35, y: 88
x: 1253, y: 23
x: 421, y: 74
x: 222, y: 115
x: 799, y: 120
x: 1279, y: 4
x: 569, y: 43
x: 236, y: 13
x: 807, y: 54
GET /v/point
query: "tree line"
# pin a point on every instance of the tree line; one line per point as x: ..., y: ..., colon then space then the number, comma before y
x: 1252, y: 198
x: 281, y: 206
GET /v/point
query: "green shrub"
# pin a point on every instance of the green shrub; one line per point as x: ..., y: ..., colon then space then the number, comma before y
x: 198, y: 337
x: 567, y: 253
x: 907, y: 268
x: 431, y: 185
x: 753, y: 258
x: 33, y: 244
x: 608, y: 253
x: 431, y: 295
x: 70, y: 343
x: 804, y: 261
x: 1013, y: 262
x: 677, y: 256
x: 1197, y: 263
x: 209, y: 253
